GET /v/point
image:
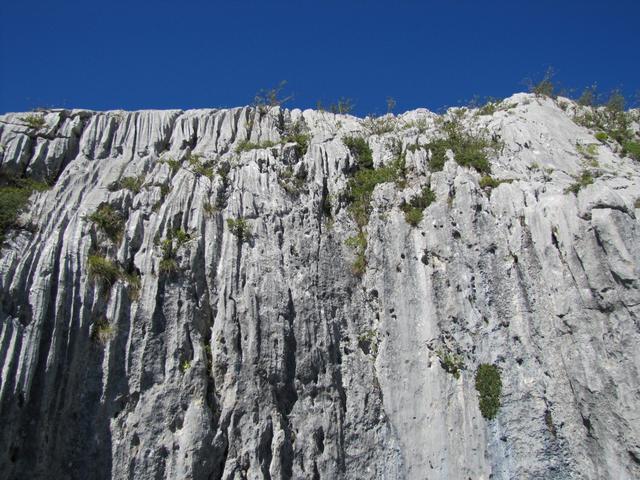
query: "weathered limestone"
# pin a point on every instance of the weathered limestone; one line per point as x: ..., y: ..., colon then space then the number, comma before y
x: 268, y: 358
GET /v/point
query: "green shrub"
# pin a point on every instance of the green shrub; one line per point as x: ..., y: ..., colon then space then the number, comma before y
x: 359, y: 148
x: 14, y: 197
x: 109, y: 220
x: 413, y: 210
x: 585, y: 179
x: 34, y: 121
x: 487, y: 181
x: 361, y: 187
x: 438, y: 151
x: 246, y: 145
x: 489, y: 387
x: 240, y: 228
x: 632, y: 149
x: 469, y: 150
x: 103, y: 270
x: 168, y: 265
x: 133, y: 184
x: 602, y: 137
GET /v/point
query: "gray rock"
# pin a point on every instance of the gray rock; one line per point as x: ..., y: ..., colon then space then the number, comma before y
x: 265, y: 356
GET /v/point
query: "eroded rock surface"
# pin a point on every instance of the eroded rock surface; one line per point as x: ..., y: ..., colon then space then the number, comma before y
x: 266, y: 357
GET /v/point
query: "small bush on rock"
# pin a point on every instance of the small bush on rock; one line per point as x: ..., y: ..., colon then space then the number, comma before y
x: 109, y: 220
x: 103, y: 270
x: 489, y: 387
x: 240, y: 228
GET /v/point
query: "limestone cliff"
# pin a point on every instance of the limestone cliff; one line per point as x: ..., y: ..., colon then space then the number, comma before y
x: 184, y: 300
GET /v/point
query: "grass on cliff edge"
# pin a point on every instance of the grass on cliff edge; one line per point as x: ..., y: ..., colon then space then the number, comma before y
x: 14, y: 198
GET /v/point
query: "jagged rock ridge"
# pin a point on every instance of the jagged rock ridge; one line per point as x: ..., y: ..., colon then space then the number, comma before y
x: 212, y: 355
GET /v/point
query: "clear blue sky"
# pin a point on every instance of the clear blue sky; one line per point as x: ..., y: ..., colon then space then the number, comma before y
x: 187, y: 54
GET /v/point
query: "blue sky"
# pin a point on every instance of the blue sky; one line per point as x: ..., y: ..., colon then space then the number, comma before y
x: 189, y: 54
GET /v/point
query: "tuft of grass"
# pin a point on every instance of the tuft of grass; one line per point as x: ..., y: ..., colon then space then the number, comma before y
x: 185, y: 365
x: 34, y: 121
x: 489, y: 387
x: 168, y: 265
x: 585, y: 179
x: 14, y: 198
x: 133, y: 184
x: 602, y: 137
x: 103, y: 270
x: 240, y: 228
x: 102, y: 331
x: 109, y: 220
x: 134, y: 284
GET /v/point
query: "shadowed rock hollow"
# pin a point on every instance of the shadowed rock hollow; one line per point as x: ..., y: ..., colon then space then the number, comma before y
x: 143, y: 335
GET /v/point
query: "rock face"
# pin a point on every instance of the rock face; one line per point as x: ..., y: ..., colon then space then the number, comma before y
x: 219, y: 351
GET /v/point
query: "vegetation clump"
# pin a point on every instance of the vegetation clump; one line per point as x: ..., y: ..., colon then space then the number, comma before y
x: 101, y: 331
x: 610, y: 119
x: 240, y: 228
x: 133, y: 184
x: 359, y: 148
x: 360, y: 189
x: 414, y: 208
x: 169, y: 246
x: 246, y: 145
x: 379, y: 125
x: 451, y: 363
x: 14, y: 197
x: 103, y: 270
x: 199, y: 166
x: 368, y: 342
x: 585, y: 179
x: 489, y: 387
x: 469, y: 150
x: 109, y: 220
x: 297, y: 133
x: 34, y: 121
